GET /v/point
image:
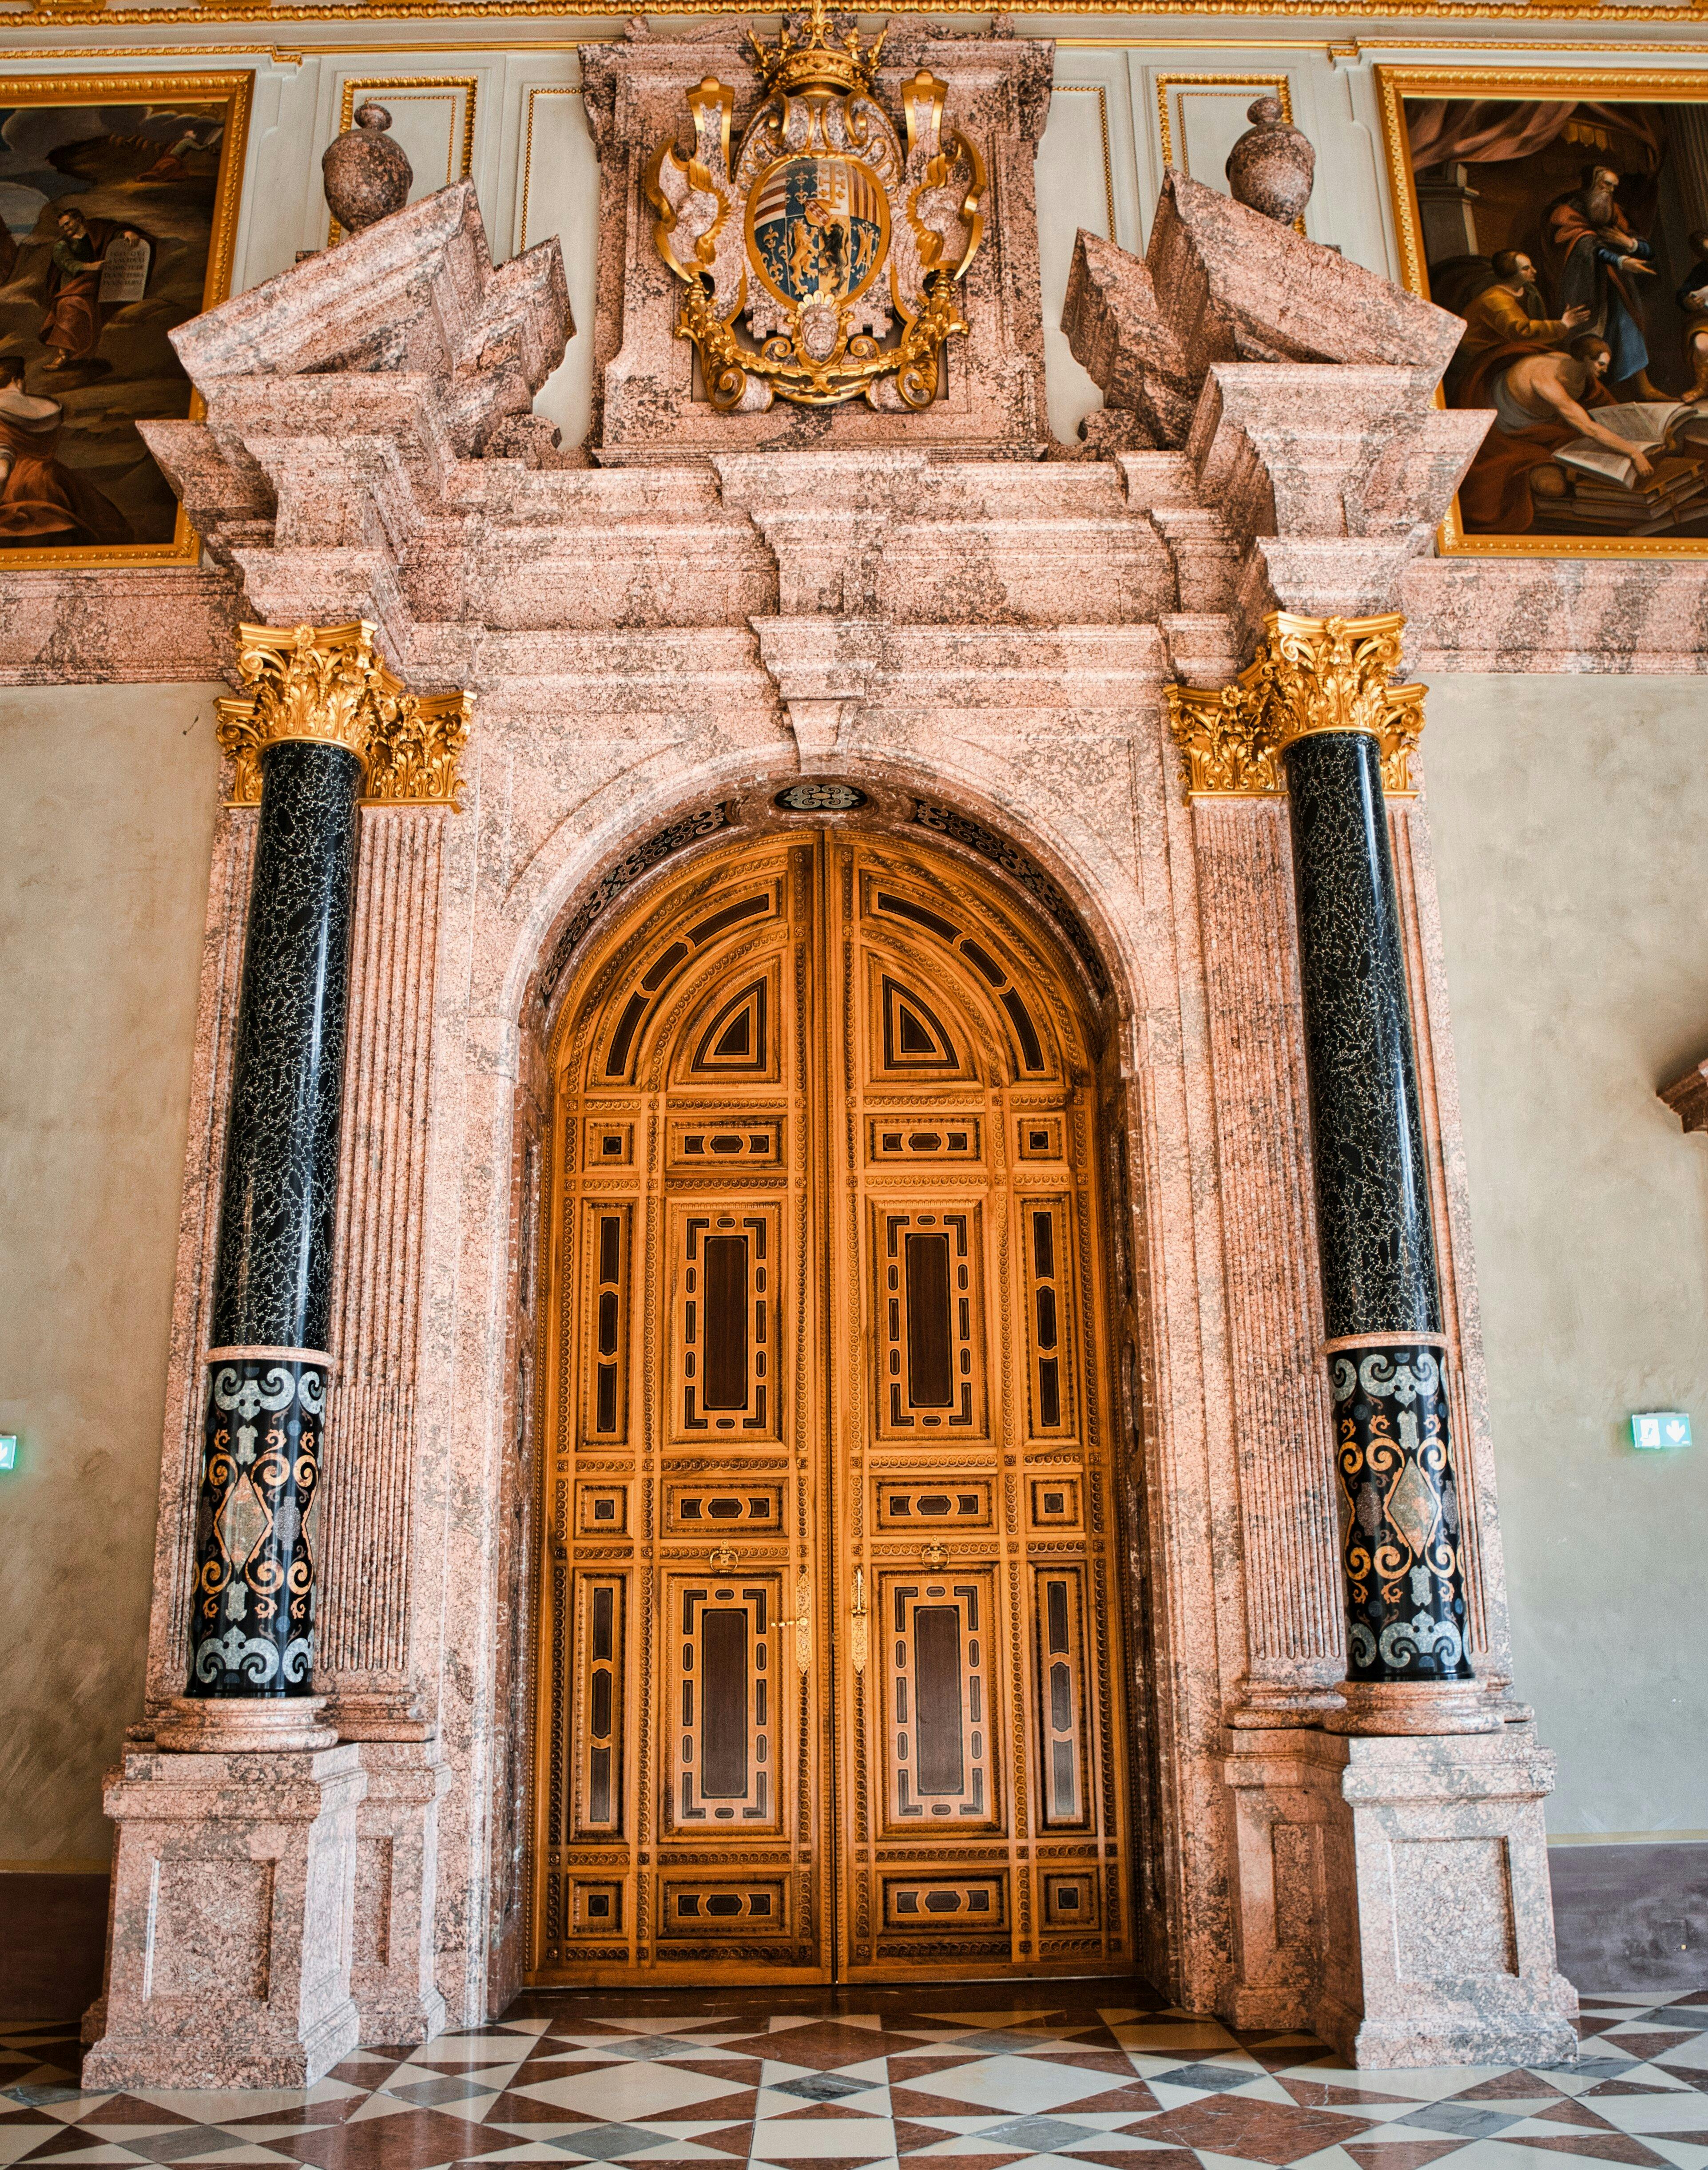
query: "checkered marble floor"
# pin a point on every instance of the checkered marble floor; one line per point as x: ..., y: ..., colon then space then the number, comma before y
x: 1013, y: 2076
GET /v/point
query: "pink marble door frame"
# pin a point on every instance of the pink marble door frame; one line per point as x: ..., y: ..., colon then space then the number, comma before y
x: 992, y: 634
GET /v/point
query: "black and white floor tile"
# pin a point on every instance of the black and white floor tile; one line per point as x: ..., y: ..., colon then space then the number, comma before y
x: 1026, y: 2076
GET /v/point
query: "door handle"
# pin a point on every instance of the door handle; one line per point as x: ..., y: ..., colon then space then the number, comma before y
x: 801, y: 1623
x: 858, y: 1624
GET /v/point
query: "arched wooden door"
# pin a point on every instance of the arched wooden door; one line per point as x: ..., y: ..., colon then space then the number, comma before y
x: 829, y: 1665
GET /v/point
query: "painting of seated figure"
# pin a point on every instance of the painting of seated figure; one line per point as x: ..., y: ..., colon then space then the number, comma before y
x: 117, y: 210
x: 1568, y: 230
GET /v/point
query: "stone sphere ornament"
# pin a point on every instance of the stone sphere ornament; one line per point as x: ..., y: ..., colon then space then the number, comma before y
x: 1270, y: 168
x: 365, y: 174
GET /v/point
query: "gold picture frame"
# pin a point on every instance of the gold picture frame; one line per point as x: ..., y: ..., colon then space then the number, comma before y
x: 1395, y: 85
x: 230, y: 89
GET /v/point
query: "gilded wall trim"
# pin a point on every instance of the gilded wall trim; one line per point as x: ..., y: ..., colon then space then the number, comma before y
x: 1500, y: 11
x: 1099, y: 91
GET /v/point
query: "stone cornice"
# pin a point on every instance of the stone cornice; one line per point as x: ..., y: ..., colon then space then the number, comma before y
x: 421, y: 498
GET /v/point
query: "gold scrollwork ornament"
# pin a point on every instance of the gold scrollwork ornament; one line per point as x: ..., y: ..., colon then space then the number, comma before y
x: 1310, y: 674
x: 841, y: 250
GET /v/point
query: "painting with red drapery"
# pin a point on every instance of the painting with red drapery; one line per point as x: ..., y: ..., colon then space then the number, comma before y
x: 1568, y: 231
x: 116, y: 216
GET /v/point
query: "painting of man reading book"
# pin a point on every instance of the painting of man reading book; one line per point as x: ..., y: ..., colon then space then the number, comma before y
x: 1570, y: 235
x: 108, y: 214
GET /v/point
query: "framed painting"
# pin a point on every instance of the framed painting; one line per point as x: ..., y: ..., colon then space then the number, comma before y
x: 1563, y: 216
x: 117, y: 209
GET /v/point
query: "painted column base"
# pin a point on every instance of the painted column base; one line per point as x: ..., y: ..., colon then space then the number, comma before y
x: 1392, y: 1895
x: 1442, y: 1927
x: 396, y: 1861
x: 232, y: 1883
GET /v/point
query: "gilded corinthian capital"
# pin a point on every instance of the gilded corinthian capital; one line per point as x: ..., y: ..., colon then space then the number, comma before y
x: 1309, y: 673
x: 326, y: 685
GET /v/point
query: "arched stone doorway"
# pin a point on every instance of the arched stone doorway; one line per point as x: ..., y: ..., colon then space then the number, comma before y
x: 832, y: 1616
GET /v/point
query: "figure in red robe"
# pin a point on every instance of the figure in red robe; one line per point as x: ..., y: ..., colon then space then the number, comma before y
x: 74, y: 319
x: 44, y: 504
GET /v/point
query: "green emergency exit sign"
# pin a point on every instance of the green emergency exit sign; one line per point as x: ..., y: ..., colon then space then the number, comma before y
x: 1653, y: 1429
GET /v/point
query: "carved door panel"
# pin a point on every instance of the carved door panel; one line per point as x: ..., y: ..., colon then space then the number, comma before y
x: 978, y: 1721
x: 829, y: 1667
x: 682, y: 1824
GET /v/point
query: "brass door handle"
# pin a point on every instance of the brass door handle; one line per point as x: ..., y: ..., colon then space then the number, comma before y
x: 858, y: 1624
x: 724, y: 1559
x: 801, y: 1622
x: 934, y: 1557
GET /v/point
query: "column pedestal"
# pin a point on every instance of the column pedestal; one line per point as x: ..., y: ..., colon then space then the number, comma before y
x: 1441, y: 1929
x: 230, y: 1954
x: 1284, y: 1791
x: 397, y: 1844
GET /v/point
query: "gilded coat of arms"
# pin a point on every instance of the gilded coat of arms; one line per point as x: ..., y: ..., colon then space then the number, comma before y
x: 821, y: 264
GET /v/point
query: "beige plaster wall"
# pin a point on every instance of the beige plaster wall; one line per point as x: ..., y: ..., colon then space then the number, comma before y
x: 107, y: 801
x: 1571, y: 825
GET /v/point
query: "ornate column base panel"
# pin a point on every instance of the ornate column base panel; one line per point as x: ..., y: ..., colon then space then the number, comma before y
x: 243, y: 1725
x: 252, y: 1617
x: 1440, y: 1946
x: 1401, y: 1532
x: 397, y: 1860
x: 228, y: 1960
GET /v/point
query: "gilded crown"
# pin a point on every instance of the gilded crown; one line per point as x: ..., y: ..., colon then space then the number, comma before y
x: 808, y: 55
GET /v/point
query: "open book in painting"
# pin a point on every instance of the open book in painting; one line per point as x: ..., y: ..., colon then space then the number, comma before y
x: 1650, y: 426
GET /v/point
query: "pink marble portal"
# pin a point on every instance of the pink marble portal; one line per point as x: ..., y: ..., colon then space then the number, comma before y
x: 927, y: 607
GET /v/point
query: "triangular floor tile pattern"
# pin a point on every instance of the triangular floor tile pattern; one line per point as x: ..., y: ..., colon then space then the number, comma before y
x: 891, y: 2080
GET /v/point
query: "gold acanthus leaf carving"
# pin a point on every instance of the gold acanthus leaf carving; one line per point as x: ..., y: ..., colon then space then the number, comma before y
x: 1308, y: 675
x: 327, y: 686
x: 415, y: 748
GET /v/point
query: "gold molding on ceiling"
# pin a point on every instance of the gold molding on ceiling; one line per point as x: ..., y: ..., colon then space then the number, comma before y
x: 1492, y: 11
x: 1346, y: 48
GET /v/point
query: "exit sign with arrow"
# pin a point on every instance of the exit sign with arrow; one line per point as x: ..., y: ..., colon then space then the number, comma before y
x: 1660, y: 1428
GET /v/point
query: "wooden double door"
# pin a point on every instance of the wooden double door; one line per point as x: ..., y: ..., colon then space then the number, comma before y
x: 829, y: 1664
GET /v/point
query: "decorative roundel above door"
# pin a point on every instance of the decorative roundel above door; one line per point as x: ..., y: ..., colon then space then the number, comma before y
x: 820, y: 799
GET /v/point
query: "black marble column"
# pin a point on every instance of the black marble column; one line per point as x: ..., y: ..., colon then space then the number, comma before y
x: 252, y: 1619
x: 1406, y: 1607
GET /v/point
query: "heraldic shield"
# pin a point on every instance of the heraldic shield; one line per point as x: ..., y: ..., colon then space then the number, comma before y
x: 820, y: 264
